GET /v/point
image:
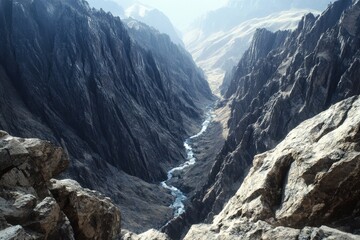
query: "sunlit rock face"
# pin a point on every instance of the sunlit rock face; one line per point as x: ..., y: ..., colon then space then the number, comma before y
x: 74, y: 76
x: 310, y: 179
x: 283, y: 79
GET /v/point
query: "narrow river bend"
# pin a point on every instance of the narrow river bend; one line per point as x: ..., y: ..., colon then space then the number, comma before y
x: 180, y: 197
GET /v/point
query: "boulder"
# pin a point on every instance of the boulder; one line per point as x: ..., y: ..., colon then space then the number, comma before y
x: 14, y: 233
x: 29, y: 210
x: 92, y: 215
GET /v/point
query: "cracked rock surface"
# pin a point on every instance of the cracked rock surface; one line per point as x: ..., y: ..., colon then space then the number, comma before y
x: 33, y: 205
x: 307, y: 186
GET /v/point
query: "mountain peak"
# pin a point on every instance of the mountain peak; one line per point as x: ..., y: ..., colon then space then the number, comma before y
x: 154, y: 18
x: 138, y: 10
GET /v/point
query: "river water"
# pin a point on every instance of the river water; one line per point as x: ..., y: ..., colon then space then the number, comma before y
x: 180, y: 197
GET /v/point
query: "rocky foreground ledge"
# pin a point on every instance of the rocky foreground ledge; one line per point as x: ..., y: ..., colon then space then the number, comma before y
x: 308, y: 187
x: 35, y: 206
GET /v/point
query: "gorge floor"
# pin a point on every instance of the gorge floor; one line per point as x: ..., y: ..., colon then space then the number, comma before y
x: 180, y: 197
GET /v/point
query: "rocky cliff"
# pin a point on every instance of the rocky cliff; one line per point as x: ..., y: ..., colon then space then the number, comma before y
x: 303, y: 188
x: 220, y: 52
x: 35, y: 206
x: 283, y: 79
x: 218, y: 40
x: 73, y: 75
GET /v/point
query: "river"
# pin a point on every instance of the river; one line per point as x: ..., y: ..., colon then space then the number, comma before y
x: 180, y: 197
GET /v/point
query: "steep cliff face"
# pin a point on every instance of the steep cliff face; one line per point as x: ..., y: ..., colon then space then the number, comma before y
x: 221, y: 51
x: 35, y: 206
x: 303, y: 188
x: 218, y: 40
x: 73, y: 75
x: 175, y: 65
x: 283, y: 79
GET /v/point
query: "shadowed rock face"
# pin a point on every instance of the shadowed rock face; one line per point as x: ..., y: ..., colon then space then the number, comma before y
x: 74, y: 76
x: 34, y: 206
x: 78, y: 71
x: 283, y: 79
x: 310, y: 179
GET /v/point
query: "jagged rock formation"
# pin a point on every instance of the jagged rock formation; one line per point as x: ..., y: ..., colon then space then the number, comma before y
x: 35, y: 206
x: 309, y: 180
x: 217, y: 43
x: 283, y: 79
x: 173, y: 63
x: 220, y: 52
x: 312, y: 176
x: 72, y: 75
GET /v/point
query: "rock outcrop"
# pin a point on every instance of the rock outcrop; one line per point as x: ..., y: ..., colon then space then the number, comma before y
x: 283, y: 79
x: 305, y: 187
x: 150, y: 234
x: 243, y: 229
x: 92, y: 215
x: 35, y: 206
x: 74, y: 76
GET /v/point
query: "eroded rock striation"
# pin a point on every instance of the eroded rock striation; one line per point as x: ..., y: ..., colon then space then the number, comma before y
x: 283, y: 79
x: 74, y: 76
x: 303, y: 188
x: 33, y: 205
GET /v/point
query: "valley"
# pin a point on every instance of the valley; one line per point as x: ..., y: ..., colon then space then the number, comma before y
x: 114, y: 126
x: 178, y: 205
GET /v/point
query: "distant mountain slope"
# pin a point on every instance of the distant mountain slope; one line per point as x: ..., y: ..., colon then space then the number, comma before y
x: 74, y: 76
x: 146, y: 14
x: 238, y: 11
x: 154, y: 18
x: 219, y: 52
x: 217, y: 42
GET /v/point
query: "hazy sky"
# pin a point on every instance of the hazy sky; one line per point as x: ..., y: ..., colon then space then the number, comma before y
x: 183, y: 12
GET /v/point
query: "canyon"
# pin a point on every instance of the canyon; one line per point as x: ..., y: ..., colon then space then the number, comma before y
x: 118, y: 105
x: 123, y: 110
